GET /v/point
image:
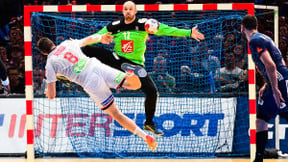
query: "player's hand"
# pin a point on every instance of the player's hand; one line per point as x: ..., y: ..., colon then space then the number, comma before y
x: 6, y: 89
x: 107, y: 38
x: 278, y: 97
x: 261, y: 91
x: 196, y: 34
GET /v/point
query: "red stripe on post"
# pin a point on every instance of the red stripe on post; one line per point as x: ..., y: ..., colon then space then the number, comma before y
x: 252, y: 106
x: 27, y: 13
x: 28, y: 48
x: 180, y: 7
x: 93, y: 7
x: 244, y: 6
x: 28, y: 78
x: 252, y: 136
x: 209, y: 6
x: 65, y: 8
x: 30, y: 136
x: 29, y: 109
x: 118, y: 7
x: 151, y: 7
x: 27, y: 21
x: 249, y: 51
x: 251, y: 76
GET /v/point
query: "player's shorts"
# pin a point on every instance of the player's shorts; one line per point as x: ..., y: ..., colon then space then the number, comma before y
x: 100, y: 79
x: 267, y: 108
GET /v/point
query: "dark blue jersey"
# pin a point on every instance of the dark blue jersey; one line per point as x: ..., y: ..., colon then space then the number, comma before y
x: 260, y: 43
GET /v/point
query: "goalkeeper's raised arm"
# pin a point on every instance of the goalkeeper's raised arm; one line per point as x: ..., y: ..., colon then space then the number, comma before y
x: 165, y: 30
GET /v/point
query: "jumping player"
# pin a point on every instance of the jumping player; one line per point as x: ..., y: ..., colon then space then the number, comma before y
x: 96, y: 79
x: 273, y: 95
x: 130, y: 45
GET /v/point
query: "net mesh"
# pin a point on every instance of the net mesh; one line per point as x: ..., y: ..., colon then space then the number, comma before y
x: 200, y: 107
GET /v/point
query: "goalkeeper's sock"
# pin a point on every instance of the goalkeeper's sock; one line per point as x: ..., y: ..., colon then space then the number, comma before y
x: 261, y: 140
x: 139, y: 132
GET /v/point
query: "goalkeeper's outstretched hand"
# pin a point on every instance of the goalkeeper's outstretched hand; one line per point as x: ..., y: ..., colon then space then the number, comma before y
x: 196, y: 34
x: 106, y: 38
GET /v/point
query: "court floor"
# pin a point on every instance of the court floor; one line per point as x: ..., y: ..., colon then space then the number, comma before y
x: 134, y: 160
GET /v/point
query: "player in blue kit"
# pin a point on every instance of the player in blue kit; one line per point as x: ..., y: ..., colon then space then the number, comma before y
x: 273, y: 95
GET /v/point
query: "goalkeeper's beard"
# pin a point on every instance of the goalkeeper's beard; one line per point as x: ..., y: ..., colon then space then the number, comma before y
x: 129, y: 18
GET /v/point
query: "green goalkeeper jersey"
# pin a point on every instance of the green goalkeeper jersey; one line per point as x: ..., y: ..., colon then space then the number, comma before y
x: 130, y: 39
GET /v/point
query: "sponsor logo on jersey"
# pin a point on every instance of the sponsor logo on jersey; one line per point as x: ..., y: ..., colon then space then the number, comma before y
x: 127, y: 46
x: 79, y: 66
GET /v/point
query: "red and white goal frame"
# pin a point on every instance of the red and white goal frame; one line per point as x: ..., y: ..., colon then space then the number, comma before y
x: 117, y: 8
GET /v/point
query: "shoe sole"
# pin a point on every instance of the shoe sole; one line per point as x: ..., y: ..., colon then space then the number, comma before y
x: 151, y: 130
x: 138, y: 70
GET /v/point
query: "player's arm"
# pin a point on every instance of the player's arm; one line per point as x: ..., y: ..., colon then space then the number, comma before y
x: 103, y: 36
x: 106, y: 38
x: 51, y: 79
x: 272, y: 75
x: 51, y: 90
x: 270, y: 68
x: 165, y: 30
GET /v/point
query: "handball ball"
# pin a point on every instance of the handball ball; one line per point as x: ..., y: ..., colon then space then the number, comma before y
x: 152, y: 26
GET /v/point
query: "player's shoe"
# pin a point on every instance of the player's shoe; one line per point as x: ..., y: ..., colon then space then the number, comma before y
x: 151, y: 142
x: 153, y: 128
x: 64, y: 80
x: 138, y: 70
x: 258, y: 158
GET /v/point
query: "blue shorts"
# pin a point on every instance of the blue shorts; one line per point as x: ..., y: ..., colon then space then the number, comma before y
x: 267, y: 109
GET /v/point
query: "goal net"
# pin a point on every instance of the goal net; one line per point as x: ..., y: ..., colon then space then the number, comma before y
x: 202, y: 109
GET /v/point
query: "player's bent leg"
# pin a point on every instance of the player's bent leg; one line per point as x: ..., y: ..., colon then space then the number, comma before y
x: 130, y: 125
x: 131, y: 82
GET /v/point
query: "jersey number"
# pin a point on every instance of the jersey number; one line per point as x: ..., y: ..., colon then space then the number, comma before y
x: 126, y: 35
x: 70, y: 57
